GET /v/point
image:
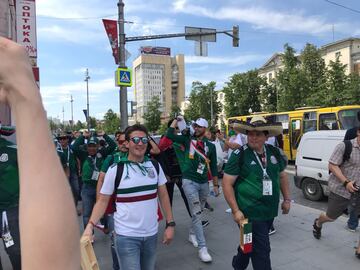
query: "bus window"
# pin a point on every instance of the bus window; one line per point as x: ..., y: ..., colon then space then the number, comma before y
x: 348, y: 118
x: 284, y: 120
x: 327, y: 121
x: 295, y: 133
x: 309, y: 122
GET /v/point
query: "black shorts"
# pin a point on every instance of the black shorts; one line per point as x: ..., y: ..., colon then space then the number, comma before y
x: 336, y: 205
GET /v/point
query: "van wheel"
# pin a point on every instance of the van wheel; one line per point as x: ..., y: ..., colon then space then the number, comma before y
x: 311, y: 189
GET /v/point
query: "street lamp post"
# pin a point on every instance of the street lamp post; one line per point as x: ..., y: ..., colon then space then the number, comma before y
x: 87, y: 78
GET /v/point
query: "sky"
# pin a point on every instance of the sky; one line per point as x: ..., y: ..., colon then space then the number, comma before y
x: 71, y: 38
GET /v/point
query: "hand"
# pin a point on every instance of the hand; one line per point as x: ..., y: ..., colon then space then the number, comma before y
x: 168, y: 235
x: 285, y: 206
x: 350, y: 187
x: 238, y: 216
x: 216, y: 191
x: 88, y: 232
x: 17, y: 82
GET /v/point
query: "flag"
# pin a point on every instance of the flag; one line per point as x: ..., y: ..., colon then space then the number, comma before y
x: 112, y: 33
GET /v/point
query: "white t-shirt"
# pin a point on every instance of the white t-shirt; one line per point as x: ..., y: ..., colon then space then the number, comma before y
x: 136, y: 202
x: 239, y: 139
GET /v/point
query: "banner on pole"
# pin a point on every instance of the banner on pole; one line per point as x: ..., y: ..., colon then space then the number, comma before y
x: 112, y: 33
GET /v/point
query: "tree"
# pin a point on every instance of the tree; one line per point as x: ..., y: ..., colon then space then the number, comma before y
x: 79, y: 125
x: 313, y: 67
x: 153, y: 114
x: 290, y: 82
x: 53, y: 126
x: 351, y: 95
x: 175, y: 110
x: 93, y: 122
x: 269, y: 97
x: 200, y: 102
x: 111, y: 122
x: 337, y: 82
x: 242, y: 93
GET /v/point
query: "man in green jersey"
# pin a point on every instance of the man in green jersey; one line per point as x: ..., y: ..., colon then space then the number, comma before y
x: 199, y: 160
x: 68, y: 161
x: 254, y: 176
x: 91, y: 158
x: 9, y: 201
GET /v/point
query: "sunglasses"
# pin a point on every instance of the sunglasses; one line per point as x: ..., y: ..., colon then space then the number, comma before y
x: 137, y: 140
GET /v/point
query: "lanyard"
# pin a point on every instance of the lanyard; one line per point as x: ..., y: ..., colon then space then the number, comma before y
x: 260, y: 162
x: 93, y: 162
x: 5, y: 223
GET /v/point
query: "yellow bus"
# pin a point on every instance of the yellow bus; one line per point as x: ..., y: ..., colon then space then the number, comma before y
x: 295, y: 123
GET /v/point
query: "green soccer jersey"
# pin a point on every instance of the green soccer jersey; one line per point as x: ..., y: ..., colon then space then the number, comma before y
x: 9, y: 175
x: 249, y: 185
x: 193, y: 166
x: 67, y: 158
x: 111, y: 159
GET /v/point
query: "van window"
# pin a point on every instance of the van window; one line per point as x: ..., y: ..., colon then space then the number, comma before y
x: 284, y: 120
x: 310, y: 122
x: 327, y: 121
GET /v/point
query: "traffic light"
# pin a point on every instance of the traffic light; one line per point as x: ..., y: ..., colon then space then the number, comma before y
x: 133, y: 107
x: 235, y: 36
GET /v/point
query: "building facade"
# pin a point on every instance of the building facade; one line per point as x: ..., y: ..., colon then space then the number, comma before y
x: 162, y: 76
x: 348, y: 51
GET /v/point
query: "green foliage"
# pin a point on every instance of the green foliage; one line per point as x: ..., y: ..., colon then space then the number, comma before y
x: 337, y: 83
x: 242, y: 93
x: 53, y: 126
x: 111, y: 122
x: 268, y: 97
x: 175, y: 110
x: 79, y: 125
x: 93, y: 122
x: 153, y: 115
x: 200, y: 102
x: 163, y: 128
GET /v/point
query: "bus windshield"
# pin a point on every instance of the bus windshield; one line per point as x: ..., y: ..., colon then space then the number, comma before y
x: 348, y: 118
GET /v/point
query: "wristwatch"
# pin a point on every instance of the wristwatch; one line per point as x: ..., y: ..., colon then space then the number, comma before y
x: 170, y: 224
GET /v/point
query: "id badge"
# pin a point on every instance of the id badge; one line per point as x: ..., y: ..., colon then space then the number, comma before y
x: 8, y: 240
x: 267, y: 187
x: 201, y: 168
x: 95, y: 175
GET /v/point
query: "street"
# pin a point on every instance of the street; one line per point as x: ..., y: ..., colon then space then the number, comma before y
x: 222, y: 238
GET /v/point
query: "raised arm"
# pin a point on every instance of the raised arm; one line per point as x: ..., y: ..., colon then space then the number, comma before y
x: 48, y: 241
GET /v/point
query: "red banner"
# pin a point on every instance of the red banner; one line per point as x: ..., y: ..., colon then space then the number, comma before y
x: 111, y: 31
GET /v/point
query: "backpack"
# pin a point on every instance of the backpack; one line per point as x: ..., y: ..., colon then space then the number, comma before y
x: 347, y: 152
x: 120, y: 169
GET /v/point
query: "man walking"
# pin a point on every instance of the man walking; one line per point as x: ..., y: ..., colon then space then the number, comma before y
x: 344, y: 183
x: 199, y: 159
x: 138, y: 183
x: 254, y: 176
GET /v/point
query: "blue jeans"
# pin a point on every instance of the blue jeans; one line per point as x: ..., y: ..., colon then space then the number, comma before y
x: 196, y: 195
x: 74, y: 184
x: 136, y: 253
x: 88, y: 194
x: 260, y: 255
x: 110, y: 220
x: 353, y: 221
x: 13, y: 251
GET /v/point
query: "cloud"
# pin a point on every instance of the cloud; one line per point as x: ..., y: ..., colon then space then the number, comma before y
x: 235, y: 61
x: 261, y: 18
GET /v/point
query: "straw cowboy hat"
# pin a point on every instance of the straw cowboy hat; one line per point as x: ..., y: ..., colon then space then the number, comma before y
x: 258, y: 123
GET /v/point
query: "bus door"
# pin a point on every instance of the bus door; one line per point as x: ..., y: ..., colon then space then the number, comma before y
x: 295, y: 135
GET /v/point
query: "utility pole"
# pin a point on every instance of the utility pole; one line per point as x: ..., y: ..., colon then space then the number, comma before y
x: 63, y: 118
x: 72, y: 112
x: 123, y: 89
x: 87, y: 78
x: 211, y: 107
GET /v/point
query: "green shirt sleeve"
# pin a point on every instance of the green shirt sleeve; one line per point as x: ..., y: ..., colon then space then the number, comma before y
x: 76, y: 147
x: 176, y: 138
x: 232, y: 166
x: 111, y: 145
x: 106, y: 164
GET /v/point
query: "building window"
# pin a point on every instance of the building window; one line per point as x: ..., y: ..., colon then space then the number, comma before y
x: 337, y: 55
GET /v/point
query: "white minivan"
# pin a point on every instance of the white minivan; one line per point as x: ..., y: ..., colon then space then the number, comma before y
x: 312, y: 162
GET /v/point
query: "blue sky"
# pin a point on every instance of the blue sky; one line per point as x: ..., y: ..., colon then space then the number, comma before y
x: 71, y: 37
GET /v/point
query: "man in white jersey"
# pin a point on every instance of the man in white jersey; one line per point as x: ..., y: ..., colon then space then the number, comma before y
x: 136, y: 224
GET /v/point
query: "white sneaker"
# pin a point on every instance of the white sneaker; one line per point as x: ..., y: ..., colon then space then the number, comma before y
x: 204, y: 255
x: 192, y: 240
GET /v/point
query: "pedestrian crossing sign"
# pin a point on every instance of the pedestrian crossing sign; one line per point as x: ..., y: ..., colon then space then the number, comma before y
x: 123, y: 77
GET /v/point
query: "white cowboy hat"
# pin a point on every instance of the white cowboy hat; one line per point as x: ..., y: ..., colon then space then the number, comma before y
x: 258, y: 123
